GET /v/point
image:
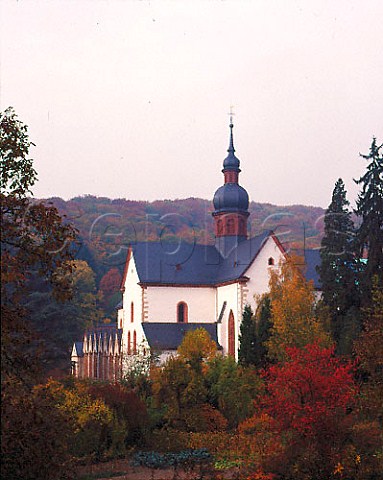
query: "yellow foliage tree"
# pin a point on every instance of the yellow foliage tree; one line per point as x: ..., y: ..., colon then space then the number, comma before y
x: 197, y: 346
x: 294, y: 323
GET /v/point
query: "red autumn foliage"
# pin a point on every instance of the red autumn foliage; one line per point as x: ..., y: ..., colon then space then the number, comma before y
x: 110, y: 284
x: 310, y: 392
x: 127, y: 405
x: 204, y: 418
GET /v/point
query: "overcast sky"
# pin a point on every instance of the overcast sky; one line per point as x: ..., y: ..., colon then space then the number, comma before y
x: 130, y: 98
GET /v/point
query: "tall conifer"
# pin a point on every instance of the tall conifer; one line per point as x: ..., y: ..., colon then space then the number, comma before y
x: 338, y: 270
x: 264, y: 325
x: 370, y: 210
x: 247, y: 338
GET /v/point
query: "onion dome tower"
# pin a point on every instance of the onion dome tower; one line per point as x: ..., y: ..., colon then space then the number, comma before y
x: 231, y: 203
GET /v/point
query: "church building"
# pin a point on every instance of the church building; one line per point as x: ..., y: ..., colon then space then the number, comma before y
x: 169, y: 289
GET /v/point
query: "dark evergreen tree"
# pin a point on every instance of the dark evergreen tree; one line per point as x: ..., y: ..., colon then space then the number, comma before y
x: 370, y: 210
x: 247, y: 338
x: 264, y: 325
x: 338, y: 270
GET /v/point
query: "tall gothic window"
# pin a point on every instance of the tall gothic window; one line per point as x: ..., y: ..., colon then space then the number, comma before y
x: 219, y: 227
x: 134, y: 342
x: 182, y: 312
x: 231, y: 335
x: 230, y: 226
x: 129, y: 344
x: 132, y: 312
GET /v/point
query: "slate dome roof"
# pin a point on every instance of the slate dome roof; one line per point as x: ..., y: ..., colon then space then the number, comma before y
x: 231, y: 197
x: 231, y: 162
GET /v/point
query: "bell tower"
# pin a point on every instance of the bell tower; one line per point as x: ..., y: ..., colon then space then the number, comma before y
x: 231, y: 203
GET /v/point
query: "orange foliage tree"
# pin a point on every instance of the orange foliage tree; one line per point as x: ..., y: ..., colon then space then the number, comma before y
x: 294, y: 323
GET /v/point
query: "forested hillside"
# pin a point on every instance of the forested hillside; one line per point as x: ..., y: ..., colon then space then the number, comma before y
x: 107, y: 226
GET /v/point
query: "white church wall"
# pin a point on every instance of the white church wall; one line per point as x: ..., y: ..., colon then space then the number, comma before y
x: 230, y: 295
x: 162, y: 303
x: 259, y: 271
x: 132, y: 294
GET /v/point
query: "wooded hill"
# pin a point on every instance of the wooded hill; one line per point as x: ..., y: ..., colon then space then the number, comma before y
x: 106, y: 226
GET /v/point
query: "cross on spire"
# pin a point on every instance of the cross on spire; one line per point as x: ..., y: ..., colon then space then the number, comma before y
x: 231, y: 113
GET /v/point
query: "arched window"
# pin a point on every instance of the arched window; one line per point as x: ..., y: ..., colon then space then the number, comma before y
x: 134, y: 342
x: 271, y: 261
x: 231, y: 335
x: 230, y: 226
x: 132, y: 312
x: 182, y: 312
x: 129, y: 344
x: 219, y: 227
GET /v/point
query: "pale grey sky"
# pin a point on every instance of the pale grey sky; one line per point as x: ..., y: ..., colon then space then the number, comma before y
x: 130, y: 98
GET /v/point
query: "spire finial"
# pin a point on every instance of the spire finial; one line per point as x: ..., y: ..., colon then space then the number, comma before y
x: 231, y: 148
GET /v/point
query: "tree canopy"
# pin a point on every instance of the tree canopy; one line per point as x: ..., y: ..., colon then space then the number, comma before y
x: 294, y: 323
x: 35, y: 242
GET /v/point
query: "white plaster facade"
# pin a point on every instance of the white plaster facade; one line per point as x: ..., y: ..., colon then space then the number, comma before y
x: 205, y: 304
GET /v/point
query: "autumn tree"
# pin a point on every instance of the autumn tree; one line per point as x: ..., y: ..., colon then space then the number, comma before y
x: 294, y: 323
x: 247, y: 338
x: 369, y: 208
x: 35, y: 435
x: 110, y: 289
x: 169, y: 386
x: 310, y: 396
x: 196, y: 347
x: 35, y: 240
x: 369, y: 351
x: 130, y: 412
x: 181, y: 385
x: 227, y: 381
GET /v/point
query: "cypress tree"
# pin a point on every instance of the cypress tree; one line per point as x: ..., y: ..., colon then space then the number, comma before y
x: 247, y: 338
x: 370, y: 211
